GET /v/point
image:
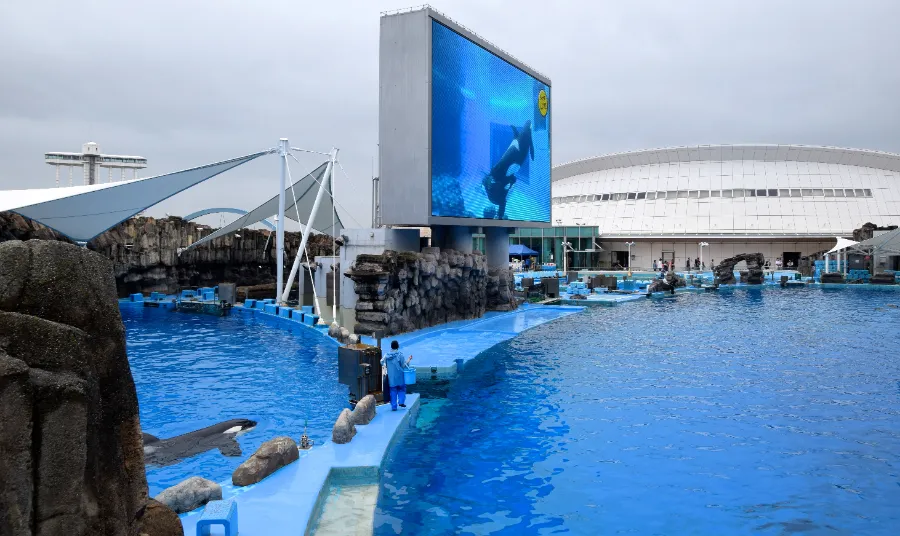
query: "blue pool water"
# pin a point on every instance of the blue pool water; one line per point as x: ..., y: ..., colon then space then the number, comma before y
x: 744, y: 412
x: 192, y: 371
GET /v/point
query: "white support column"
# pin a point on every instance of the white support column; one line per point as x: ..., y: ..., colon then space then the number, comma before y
x: 825, y: 271
x: 70, y: 175
x: 336, y: 259
x: 122, y: 178
x: 323, y: 186
x: 279, y: 230
x: 134, y: 173
x: 57, y: 176
x: 109, y: 175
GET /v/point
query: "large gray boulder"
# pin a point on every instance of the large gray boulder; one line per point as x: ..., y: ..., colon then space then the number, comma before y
x: 190, y: 494
x: 268, y: 458
x: 71, y: 456
x: 344, y: 428
x: 364, y: 411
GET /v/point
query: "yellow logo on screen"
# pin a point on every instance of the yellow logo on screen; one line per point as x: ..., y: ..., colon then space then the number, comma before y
x: 542, y: 103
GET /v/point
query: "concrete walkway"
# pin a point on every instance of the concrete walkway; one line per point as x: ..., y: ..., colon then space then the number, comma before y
x: 285, y: 502
x: 440, y: 349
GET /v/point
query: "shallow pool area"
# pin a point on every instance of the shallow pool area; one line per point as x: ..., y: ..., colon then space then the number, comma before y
x: 193, y: 371
x: 743, y: 412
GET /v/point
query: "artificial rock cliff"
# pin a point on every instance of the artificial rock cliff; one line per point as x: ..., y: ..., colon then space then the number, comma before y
x: 145, y: 252
x: 71, y: 455
x: 404, y: 291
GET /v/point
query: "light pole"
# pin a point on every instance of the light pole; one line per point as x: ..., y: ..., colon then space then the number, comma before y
x: 629, y: 244
x: 702, y: 245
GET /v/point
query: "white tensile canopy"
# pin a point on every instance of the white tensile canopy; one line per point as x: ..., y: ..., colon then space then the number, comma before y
x: 888, y: 242
x: 842, y: 243
x: 83, y: 212
x: 305, y: 191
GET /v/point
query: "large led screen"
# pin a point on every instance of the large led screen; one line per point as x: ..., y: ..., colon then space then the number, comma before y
x: 490, y: 136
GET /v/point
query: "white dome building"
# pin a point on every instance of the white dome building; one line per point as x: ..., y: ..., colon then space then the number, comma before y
x: 785, y: 201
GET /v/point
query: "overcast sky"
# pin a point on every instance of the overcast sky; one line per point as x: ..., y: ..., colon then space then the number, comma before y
x: 188, y: 83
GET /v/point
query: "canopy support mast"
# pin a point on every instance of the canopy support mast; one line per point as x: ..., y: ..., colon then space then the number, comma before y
x: 326, y: 177
x: 279, y: 230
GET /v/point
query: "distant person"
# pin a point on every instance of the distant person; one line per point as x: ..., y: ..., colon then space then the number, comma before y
x: 778, y: 263
x: 527, y: 264
x: 687, y: 264
x: 697, y: 263
x: 395, y: 365
x: 712, y: 264
x: 790, y: 264
x: 703, y: 265
x: 654, y: 265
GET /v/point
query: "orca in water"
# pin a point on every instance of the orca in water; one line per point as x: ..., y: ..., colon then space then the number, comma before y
x: 220, y: 436
x: 503, y: 175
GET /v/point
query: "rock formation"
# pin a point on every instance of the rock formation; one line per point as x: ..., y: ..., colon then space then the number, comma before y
x: 72, y: 459
x: 144, y: 252
x: 190, y: 494
x: 159, y: 520
x: 364, y: 411
x: 755, y: 262
x: 268, y: 458
x: 867, y: 231
x: 344, y: 428
x: 832, y: 277
x: 883, y: 279
x: 401, y: 292
x: 668, y: 284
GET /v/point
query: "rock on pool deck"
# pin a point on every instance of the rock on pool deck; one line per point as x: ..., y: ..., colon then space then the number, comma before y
x: 285, y: 502
x: 446, y: 346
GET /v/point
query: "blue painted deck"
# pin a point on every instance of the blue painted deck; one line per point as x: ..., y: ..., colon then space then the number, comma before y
x: 284, y: 502
x: 441, y: 346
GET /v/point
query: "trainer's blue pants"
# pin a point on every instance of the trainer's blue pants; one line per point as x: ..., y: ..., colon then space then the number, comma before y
x: 398, y: 395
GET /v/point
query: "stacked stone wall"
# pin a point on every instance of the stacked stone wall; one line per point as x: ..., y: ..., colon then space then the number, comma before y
x: 399, y: 292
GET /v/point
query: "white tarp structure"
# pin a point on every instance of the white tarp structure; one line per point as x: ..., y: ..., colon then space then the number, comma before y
x: 842, y: 243
x: 305, y: 190
x: 887, y: 243
x: 83, y: 212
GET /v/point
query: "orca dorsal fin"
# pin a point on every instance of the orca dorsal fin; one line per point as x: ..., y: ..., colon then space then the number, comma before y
x: 515, y: 131
x: 147, y: 438
x: 230, y: 448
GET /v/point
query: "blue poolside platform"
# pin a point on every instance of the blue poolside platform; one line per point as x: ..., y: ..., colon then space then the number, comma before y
x: 290, y: 501
x: 441, y: 349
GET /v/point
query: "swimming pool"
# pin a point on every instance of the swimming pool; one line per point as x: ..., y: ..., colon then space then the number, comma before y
x: 745, y: 412
x: 193, y: 371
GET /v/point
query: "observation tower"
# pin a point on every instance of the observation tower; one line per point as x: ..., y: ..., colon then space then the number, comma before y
x: 91, y: 161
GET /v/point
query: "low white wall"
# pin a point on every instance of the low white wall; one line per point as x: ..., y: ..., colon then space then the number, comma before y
x: 645, y: 252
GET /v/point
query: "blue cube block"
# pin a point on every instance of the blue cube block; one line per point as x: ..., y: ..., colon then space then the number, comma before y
x: 219, y: 513
x: 308, y: 309
x: 284, y: 312
x: 269, y: 300
x: 270, y: 308
x: 249, y: 303
x: 137, y: 297
x: 297, y: 315
x: 310, y: 319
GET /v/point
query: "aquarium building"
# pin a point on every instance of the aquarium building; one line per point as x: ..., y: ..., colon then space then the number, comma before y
x: 785, y: 201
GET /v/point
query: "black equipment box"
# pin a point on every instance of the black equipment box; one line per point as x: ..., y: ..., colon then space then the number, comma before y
x: 359, y: 367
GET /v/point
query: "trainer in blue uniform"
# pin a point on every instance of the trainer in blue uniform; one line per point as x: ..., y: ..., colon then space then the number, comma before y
x: 394, y: 363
